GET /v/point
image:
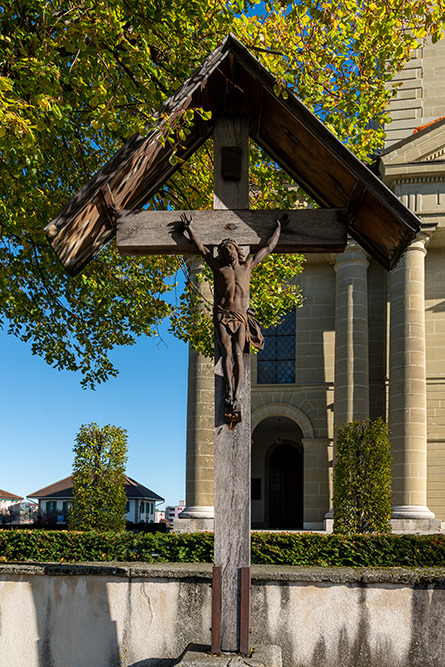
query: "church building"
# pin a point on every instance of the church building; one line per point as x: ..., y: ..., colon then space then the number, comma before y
x: 366, y: 343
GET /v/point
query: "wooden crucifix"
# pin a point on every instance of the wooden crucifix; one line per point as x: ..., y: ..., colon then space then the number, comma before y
x: 231, y: 79
x: 150, y: 232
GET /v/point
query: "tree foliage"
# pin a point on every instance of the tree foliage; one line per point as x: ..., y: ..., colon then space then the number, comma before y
x: 99, y: 478
x: 77, y: 79
x: 362, y: 478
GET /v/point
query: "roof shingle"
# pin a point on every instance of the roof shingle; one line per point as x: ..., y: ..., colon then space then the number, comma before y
x: 64, y: 489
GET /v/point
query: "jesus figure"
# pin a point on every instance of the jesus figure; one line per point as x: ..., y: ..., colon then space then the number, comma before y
x: 234, y: 322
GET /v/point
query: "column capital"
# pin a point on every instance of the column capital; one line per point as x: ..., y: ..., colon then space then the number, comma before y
x: 423, y: 237
x: 352, y: 254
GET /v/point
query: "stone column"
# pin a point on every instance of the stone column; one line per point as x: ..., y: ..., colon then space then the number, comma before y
x: 351, y: 388
x: 407, y: 391
x: 351, y: 391
x: 199, y: 482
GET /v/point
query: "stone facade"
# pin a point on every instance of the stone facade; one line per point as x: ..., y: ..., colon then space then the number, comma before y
x: 369, y: 343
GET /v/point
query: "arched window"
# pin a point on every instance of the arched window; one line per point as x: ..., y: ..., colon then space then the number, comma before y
x: 276, y: 363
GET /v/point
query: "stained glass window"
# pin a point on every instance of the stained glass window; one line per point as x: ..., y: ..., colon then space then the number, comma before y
x: 276, y: 363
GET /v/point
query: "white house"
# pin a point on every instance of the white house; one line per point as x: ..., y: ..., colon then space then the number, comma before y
x: 9, y: 501
x: 57, y: 498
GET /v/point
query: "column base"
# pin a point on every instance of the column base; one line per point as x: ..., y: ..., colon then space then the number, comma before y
x: 414, y: 519
x: 195, y: 519
x: 328, y: 523
x: 197, y: 512
x: 404, y: 519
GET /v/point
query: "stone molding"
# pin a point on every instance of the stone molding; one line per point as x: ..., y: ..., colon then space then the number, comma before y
x: 283, y: 410
x: 197, y: 512
x: 411, y: 512
x: 260, y: 573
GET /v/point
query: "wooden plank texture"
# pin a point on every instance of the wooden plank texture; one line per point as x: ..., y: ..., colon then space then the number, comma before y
x: 159, y: 232
x: 215, y: 646
x: 232, y: 503
x: 232, y: 79
x: 232, y: 446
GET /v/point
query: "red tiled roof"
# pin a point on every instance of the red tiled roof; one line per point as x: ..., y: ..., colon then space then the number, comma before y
x: 64, y: 489
x: 422, y: 127
x: 5, y: 495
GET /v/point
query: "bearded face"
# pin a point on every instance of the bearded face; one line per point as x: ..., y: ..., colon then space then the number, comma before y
x: 229, y: 251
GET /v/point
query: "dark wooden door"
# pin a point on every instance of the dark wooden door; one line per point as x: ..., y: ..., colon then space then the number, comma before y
x: 286, y: 488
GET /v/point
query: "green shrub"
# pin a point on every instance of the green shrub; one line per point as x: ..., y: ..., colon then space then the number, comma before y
x: 302, y: 549
x: 362, y: 478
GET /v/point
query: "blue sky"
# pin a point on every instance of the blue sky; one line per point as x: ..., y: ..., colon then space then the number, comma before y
x: 42, y: 410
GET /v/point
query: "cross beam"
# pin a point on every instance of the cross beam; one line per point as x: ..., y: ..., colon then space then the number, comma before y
x: 160, y: 232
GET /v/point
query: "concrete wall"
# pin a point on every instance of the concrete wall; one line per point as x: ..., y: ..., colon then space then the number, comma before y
x: 145, y: 615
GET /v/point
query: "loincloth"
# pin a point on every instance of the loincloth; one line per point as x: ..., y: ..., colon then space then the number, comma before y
x: 232, y: 321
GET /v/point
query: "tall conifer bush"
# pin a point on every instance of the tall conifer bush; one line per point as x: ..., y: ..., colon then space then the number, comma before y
x: 362, y: 478
x: 99, y: 478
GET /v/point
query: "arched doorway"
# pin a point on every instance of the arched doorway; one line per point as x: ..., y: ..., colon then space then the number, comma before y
x: 277, y: 474
x: 285, y: 487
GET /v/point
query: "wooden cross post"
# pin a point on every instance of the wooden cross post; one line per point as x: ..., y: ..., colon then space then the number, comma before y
x: 162, y: 232
x: 231, y: 623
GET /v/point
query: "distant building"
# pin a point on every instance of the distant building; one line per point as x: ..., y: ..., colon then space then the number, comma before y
x: 10, y: 507
x: 159, y: 516
x: 57, y: 498
x: 8, y: 499
x: 172, y: 512
x: 27, y: 511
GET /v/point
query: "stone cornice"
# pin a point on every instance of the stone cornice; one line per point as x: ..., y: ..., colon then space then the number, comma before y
x: 414, y: 171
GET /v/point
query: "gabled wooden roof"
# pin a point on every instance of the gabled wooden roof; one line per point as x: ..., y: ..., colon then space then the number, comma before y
x: 232, y: 80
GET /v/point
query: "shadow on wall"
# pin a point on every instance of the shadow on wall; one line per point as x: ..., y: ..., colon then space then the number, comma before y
x: 70, y: 608
x: 427, y: 647
x: 76, y: 617
x: 358, y: 625
x: 82, y: 632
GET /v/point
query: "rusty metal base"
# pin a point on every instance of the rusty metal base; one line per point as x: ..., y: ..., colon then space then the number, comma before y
x: 261, y: 656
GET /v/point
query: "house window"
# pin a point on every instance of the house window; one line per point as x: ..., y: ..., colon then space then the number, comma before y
x: 141, y: 508
x: 66, y: 506
x: 127, y: 506
x: 51, y: 506
x: 276, y: 363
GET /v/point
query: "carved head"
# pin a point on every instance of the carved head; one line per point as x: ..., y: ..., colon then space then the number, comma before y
x: 228, y: 245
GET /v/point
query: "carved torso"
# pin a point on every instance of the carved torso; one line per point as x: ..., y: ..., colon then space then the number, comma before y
x: 232, y: 284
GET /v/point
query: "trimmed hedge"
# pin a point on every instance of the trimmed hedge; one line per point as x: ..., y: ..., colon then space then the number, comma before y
x: 267, y: 548
x: 362, y: 478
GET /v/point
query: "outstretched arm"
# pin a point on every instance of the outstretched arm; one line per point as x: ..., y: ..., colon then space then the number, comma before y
x: 202, y: 249
x: 272, y: 242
